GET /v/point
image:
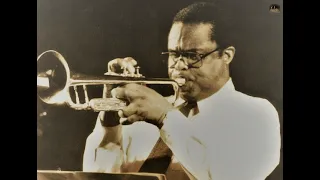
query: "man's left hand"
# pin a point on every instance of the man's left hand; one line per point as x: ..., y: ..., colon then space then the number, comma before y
x: 145, y: 104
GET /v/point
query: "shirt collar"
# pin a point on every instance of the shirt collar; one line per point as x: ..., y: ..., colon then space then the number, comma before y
x: 227, y: 87
x: 223, y: 92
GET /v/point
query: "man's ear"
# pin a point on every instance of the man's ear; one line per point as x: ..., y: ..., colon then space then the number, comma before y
x: 228, y: 54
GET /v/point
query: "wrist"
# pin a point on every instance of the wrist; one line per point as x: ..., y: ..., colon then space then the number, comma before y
x: 164, y: 117
x: 109, y: 119
x: 111, y: 135
x: 160, y: 122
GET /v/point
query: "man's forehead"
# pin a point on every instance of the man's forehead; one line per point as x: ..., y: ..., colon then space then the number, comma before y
x: 189, y: 36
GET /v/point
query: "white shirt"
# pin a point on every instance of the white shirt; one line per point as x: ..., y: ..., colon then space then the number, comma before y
x: 234, y: 137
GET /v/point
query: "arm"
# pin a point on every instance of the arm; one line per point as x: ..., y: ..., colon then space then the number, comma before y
x: 243, y: 142
x: 104, y: 146
x: 103, y: 149
x: 238, y: 152
x: 180, y: 136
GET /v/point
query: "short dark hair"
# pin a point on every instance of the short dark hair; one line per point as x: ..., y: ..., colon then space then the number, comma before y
x: 212, y: 13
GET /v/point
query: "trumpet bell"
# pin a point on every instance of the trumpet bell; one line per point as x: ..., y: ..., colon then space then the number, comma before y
x: 53, y: 75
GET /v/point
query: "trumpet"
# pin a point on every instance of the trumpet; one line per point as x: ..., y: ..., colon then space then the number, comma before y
x: 56, y: 82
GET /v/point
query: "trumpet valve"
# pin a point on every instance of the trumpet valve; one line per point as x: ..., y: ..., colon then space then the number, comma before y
x: 126, y: 73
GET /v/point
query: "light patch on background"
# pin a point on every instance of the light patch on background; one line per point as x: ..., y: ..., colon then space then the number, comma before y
x: 43, y: 81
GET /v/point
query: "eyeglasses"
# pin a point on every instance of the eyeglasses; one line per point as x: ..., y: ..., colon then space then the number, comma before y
x: 192, y: 59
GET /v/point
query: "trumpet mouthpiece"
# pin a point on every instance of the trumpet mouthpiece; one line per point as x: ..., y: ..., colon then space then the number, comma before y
x: 180, y: 81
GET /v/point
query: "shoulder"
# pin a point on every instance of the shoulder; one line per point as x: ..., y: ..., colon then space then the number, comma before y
x: 254, y: 116
x: 259, y: 120
x: 251, y: 136
x: 255, y: 106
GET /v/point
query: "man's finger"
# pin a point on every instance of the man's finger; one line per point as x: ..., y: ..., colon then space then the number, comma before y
x: 129, y: 110
x: 120, y: 114
x: 134, y: 118
x: 118, y: 92
x: 129, y: 92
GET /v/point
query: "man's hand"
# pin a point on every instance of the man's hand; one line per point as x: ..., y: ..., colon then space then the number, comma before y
x: 145, y: 104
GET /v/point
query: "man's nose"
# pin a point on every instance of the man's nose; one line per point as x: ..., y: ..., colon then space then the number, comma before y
x: 180, y: 64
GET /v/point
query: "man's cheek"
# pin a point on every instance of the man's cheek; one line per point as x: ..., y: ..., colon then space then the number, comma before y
x: 198, y: 74
x: 205, y: 84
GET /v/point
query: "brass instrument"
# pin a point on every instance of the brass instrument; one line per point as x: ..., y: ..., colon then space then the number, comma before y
x: 55, y: 81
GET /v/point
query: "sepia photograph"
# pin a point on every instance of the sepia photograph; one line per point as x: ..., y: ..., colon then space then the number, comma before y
x: 159, y: 90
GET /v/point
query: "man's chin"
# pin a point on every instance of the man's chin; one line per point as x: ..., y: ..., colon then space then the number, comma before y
x: 187, y: 96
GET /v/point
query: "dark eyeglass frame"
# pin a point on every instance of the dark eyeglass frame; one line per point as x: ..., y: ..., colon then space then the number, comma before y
x: 199, y: 57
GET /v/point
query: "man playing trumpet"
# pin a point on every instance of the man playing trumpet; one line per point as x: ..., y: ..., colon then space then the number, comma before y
x: 212, y: 131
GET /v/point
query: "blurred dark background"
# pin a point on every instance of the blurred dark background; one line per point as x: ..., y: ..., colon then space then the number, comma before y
x: 91, y: 33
